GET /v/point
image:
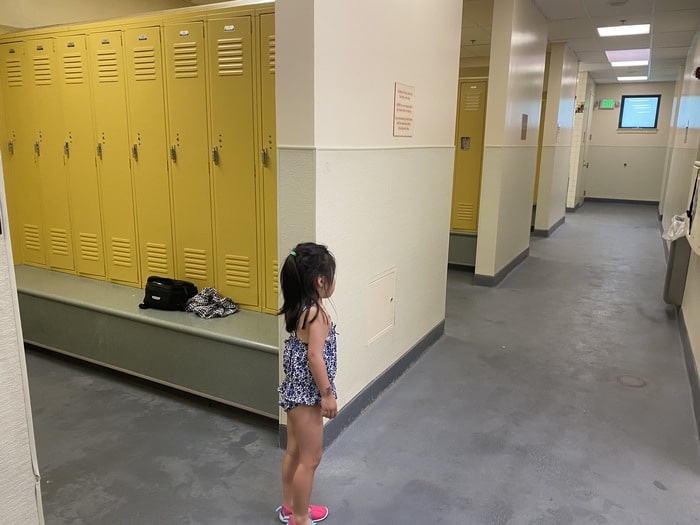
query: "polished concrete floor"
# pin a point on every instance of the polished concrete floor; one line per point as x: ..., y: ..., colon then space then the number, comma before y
x: 558, y: 397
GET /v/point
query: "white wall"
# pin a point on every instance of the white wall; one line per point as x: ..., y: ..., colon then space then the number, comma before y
x: 557, y: 138
x: 685, y: 151
x: 625, y: 164
x: 516, y: 77
x: 20, y: 494
x: 380, y: 202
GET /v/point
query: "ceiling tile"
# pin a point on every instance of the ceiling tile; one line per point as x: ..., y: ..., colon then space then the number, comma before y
x: 663, y: 53
x: 684, y: 38
x: 602, y: 8
x: 585, y: 44
x: 558, y: 10
x: 675, y: 5
x: 687, y: 20
x: 567, y: 29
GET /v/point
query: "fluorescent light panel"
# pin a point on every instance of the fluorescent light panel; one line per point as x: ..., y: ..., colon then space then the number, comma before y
x: 631, y: 79
x: 640, y: 29
x: 627, y: 55
x: 630, y: 63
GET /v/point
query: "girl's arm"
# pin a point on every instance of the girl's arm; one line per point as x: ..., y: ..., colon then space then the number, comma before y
x: 318, y: 332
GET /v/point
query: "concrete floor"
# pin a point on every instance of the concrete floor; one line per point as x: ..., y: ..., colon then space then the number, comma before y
x: 519, y: 415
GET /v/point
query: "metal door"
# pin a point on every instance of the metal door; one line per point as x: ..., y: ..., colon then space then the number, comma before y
x: 149, y: 160
x: 189, y: 151
x: 232, y: 140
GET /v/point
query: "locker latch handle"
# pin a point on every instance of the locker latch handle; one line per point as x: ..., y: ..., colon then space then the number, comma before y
x: 37, y: 148
x: 215, y: 156
x: 11, y: 147
x: 99, y: 150
x: 66, y: 149
x: 135, y: 152
x: 465, y: 143
x: 264, y: 157
x: 173, y: 153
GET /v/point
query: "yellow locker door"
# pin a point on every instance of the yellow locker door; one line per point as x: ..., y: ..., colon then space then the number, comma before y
x: 469, y: 150
x: 539, y: 149
x: 47, y: 118
x: 79, y: 154
x: 268, y: 160
x: 12, y: 181
x: 230, y: 61
x: 108, y: 77
x: 149, y: 160
x: 189, y: 151
x: 19, y: 164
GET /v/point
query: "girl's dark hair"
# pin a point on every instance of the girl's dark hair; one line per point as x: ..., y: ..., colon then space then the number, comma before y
x: 298, y: 277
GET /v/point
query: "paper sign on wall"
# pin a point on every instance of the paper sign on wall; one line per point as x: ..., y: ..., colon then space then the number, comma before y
x: 403, y: 110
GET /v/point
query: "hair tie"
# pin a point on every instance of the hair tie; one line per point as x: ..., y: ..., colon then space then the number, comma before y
x: 293, y: 253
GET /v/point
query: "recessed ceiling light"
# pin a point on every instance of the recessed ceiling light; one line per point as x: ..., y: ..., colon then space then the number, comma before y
x: 629, y: 63
x: 627, y: 55
x: 631, y: 79
x: 640, y: 29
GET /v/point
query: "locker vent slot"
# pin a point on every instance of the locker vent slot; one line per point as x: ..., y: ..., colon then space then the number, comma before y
x: 185, y: 58
x: 275, y: 277
x: 230, y: 55
x: 14, y: 73
x: 73, y: 69
x: 472, y: 102
x: 145, y: 63
x: 157, y: 255
x: 59, y: 241
x: 271, y: 53
x: 89, y: 250
x: 31, y: 237
x: 238, y: 271
x: 42, y: 71
x: 121, y: 252
x: 465, y: 212
x: 107, y: 66
x: 195, y: 264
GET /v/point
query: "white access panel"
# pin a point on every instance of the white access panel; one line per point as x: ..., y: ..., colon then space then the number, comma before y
x: 381, y: 305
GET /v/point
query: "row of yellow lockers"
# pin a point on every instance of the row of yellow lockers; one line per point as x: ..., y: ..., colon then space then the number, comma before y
x: 146, y: 148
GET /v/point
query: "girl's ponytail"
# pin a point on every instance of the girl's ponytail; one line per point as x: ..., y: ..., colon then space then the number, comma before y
x: 298, y: 280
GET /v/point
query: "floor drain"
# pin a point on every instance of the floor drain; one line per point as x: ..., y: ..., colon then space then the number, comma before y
x: 635, y: 382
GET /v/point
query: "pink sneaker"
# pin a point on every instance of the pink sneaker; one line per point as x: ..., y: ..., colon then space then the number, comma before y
x: 316, y: 512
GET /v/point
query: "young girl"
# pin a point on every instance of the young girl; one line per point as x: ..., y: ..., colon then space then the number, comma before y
x: 307, y: 393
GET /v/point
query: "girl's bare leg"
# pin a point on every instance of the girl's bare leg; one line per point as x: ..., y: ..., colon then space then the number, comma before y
x: 307, y: 425
x: 290, y: 463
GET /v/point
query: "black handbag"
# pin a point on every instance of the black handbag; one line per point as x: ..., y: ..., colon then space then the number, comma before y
x: 164, y: 293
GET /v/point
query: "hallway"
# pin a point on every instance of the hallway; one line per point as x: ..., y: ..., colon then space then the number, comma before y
x: 522, y: 413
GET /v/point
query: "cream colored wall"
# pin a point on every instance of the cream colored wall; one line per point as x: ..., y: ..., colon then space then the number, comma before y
x: 20, y: 493
x: 557, y: 138
x: 578, y: 136
x: 516, y: 76
x: 685, y: 145
x: 380, y: 202
x: 671, y: 138
x: 628, y: 165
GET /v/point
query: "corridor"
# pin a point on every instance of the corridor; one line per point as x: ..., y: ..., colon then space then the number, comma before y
x: 558, y: 397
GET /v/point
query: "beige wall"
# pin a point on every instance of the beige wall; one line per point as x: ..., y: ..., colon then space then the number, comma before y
x: 557, y: 138
x: 381, y: 203
x: 685, y: 152
x: 628, y: 165
x: 516, y: 76
x: 20, y: 493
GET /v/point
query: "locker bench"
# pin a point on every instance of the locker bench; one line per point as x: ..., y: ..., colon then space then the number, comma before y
x: 233, y: 360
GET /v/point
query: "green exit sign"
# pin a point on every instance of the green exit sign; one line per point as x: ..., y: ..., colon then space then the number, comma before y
x: 607, y: 103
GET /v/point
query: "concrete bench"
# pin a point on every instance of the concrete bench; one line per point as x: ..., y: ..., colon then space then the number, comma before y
x: 233, y: 360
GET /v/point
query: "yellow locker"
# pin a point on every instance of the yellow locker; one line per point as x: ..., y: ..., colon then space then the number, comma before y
x: 47, y: 118
x: 469, y: 148
x: 230, y: 63
x: 79, y: 155
x: 189, y: 151
x: 19, y: 160
x: 149, y: 160
x: 12, y: 188
x: 108, y: 77
x: 268, y: 160
x: 539, y: 149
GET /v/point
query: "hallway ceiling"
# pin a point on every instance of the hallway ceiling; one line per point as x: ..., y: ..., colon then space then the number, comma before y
x: 673, y: 25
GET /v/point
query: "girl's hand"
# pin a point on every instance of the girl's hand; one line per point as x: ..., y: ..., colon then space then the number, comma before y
x: 329, y: 406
